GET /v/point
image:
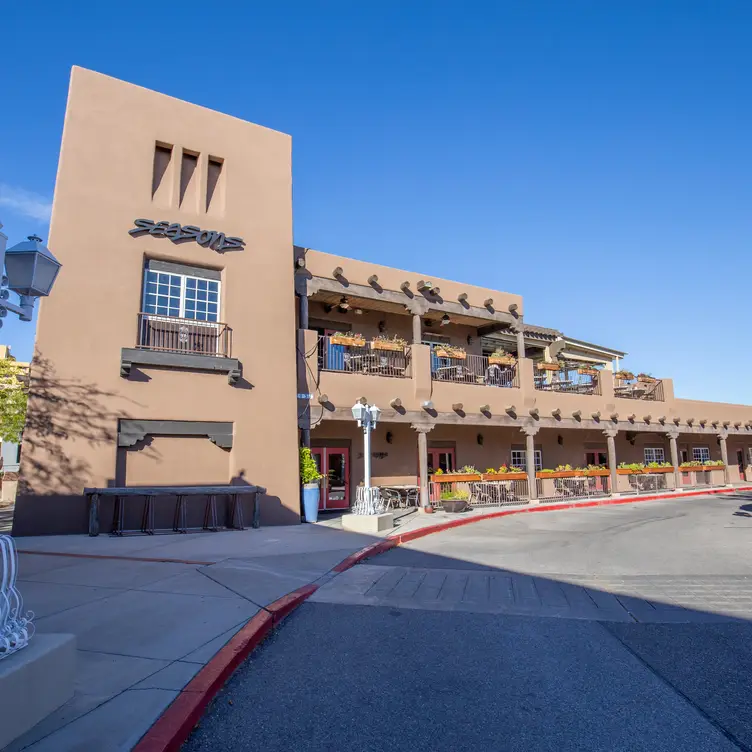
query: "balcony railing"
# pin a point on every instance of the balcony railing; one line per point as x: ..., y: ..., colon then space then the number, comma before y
x: 168, y: 334
x: 651, y: 391
x: 472, y: 369
x: 570, y: 380
x: 364, y: 359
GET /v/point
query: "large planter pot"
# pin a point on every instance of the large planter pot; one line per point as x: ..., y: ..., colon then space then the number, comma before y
x: 311, y: 493
x: 450, y: 353
x: 548, y: 366
x: 453, y: 506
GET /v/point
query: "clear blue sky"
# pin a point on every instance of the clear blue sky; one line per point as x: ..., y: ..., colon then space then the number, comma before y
x: 595, y: 157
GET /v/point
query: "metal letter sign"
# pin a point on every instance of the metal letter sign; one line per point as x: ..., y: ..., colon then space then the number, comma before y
x: 182, y: 233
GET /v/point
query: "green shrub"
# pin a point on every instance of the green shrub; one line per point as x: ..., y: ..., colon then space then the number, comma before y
x: 309, y: 472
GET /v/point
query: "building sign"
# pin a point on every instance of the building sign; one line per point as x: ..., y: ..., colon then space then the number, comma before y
x: 184, y: 233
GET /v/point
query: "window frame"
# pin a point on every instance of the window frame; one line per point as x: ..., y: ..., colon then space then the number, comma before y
x: 700, y: 449
x: 653, y: 449
x: 182, y: 300
x: 523, y: 454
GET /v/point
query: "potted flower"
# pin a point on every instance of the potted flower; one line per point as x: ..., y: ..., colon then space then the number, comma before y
x: 588, y: 370
x: 546, y: 365
x: 453, y: 500
x: 501, y: 357
x: 310, y: 477
x: 449, y: 351
x: 347, y: 339
x: 395, y: 344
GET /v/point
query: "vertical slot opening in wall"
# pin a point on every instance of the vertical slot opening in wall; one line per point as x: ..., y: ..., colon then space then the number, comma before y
x: 214, y: 183
x: 162, y: 158
x: 188, y: 166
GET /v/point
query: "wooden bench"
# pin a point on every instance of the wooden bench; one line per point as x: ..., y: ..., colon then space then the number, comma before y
x: 149, y: 494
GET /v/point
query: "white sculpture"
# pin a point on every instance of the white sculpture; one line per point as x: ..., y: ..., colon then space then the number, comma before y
x: 16, y: 628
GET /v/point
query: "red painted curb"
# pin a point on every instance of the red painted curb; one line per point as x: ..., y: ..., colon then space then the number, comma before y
x: 422, y: 532
x: 364, y: 553
x: 174, y: 726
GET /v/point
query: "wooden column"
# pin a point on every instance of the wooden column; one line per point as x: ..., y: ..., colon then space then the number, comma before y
x: 425, y: 497
x: 417, y: 330
x: 610, y: 434
x: 530, y: 431
x: 520, y: 331
x: 673, y: 435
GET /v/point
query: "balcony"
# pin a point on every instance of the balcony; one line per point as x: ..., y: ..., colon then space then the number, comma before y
x: 642, y: 387
x: 453, y: 364
x: 569, y: 378
x: 188, y: 344
x: 352, y: 354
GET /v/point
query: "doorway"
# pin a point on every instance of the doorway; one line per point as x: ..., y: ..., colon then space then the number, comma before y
x: 441, y: 459
x: 597, y: 457
x: 334, y: 465
x: 740, y: 463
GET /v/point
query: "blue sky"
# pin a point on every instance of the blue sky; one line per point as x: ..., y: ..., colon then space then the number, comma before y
x: 594, y: 157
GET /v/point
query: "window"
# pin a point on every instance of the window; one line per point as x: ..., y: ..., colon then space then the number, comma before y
x: 700, y: 454
x: 654, y: 454
x: 181, y: 295
x: 519, y: 459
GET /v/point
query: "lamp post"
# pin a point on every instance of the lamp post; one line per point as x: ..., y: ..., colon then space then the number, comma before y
x: 30, y: 271
x: 367, y: 500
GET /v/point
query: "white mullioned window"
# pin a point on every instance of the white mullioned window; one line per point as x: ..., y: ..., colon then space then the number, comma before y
x: 700, y: 454
x: 519, y: 459
x: 181, y: 296
x: 654, y: 454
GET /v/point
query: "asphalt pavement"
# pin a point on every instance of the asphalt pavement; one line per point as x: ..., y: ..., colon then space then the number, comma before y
x: 614, y: 628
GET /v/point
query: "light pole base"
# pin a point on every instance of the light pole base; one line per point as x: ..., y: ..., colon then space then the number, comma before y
x: 368, y: 523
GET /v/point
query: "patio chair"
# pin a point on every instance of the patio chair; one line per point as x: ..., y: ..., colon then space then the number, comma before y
x: 392, y: 498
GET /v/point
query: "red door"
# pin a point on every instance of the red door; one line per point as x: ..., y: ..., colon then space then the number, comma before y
x: 441, y: 459
x: 334, y: 465
x: 598, y: 457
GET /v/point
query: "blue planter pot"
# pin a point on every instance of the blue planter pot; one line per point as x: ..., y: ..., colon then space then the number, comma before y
x: 311, y: 501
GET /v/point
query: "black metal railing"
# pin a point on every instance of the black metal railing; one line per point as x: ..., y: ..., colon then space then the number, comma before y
x: 169, y: 334
x: 472, y: 369
x: 337, y: 354
x: 571, y: 380
x: 651, y: 391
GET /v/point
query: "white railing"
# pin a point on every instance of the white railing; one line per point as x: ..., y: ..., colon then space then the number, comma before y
x: 499, y: 493
x: 16, y: 627
x: 642, y: 482
x: 368, y: 500
x: 568, y: 489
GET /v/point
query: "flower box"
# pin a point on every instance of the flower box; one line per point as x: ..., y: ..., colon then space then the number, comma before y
x: 588, y: 371
x: 504, y: 476
x: 386, y: 344
x: 348, y: 340
x: 701, y: 468
x: 643, y: 379
x: 624, y: 375
x: 601, y: 473
x: 455, y: 478
x: 449, y: 352
x: 548, y: 366
x: 643, y: 470
x: 502, y: 360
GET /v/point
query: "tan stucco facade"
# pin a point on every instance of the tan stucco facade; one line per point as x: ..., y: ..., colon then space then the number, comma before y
x: 129, y: 153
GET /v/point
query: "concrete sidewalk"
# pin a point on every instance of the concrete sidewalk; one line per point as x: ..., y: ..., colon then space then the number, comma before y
x: 149, y: 612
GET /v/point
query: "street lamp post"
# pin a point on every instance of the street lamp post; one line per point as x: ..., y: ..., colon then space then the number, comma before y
x: 30, y: 271
x: 368, y: 500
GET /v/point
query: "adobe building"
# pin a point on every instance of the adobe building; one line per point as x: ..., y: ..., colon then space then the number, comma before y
x: 188, y: 342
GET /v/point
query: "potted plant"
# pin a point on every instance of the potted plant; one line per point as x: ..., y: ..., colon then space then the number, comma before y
x: 624, y: 375
x: 500, y: 357
x: 449, y: 351
x: 454, y: 501
x: 395, y: 344
x: 646, y: 378
x: 588, y: 370
x: 505, y: 473
x: 349, y: 340
x: 546, y: 365
x: 310, y: 477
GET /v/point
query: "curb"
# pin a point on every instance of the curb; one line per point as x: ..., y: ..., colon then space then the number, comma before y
x: 177, y: 722
x: 400, y: 538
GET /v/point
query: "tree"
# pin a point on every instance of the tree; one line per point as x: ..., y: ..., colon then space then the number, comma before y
x: 14, y: 394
